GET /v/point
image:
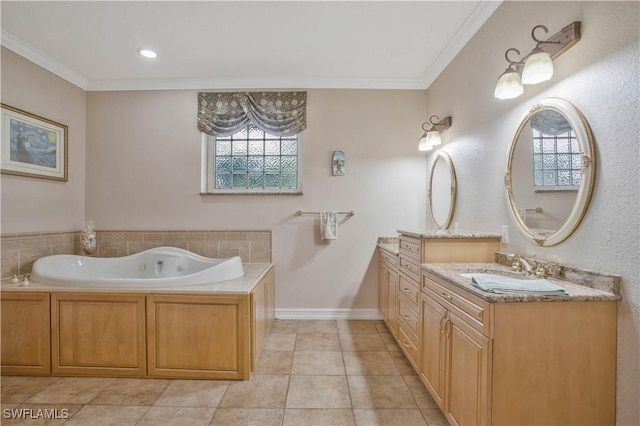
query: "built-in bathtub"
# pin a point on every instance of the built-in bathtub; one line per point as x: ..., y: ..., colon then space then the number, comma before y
x: 155, y: 268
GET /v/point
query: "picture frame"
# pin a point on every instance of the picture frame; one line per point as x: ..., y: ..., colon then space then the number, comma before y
x: 338, y: 165
x: 32, y: 146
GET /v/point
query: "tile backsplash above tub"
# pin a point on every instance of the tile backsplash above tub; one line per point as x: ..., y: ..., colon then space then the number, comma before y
x: 19, y: 251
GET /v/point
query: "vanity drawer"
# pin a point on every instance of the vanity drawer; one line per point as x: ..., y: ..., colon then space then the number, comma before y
x: 410, y: 289
x: 409, y: 345
x: 410, y: 247
x: 408, y: 315
x: 410, y: 267
x: 475, y: 311
x: 390, y: 259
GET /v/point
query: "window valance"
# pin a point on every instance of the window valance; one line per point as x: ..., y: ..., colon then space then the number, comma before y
x: 277, y: 113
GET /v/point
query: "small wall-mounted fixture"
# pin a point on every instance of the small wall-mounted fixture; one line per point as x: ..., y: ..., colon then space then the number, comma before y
x: 431, y: 135
x: 537, y: 66
x: 147, y: 53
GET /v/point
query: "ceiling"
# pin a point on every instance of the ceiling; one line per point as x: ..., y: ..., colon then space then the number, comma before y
x: 243, y: 44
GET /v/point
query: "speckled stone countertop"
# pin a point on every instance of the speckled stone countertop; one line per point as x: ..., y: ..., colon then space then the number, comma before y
x: 438, y: 234
x: 389, y: 244
x: 450, y: 272
x: 243, y: 285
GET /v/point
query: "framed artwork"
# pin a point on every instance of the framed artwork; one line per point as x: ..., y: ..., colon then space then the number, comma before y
x: 338, y: 163
x: 32, y: 146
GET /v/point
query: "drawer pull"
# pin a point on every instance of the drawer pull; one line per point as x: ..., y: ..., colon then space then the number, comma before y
x: 446, y: 296
x: 406, y: 317
x: 408, y: 267
x: 405, y: 344
x: 406, y: 290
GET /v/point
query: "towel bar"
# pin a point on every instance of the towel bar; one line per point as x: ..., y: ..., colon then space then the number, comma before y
x: 534, y: 210
x: 300, y: 213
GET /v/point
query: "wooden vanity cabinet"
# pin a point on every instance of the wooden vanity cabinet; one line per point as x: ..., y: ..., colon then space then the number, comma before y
x: 262, y: 313
x: 524, y: 363
x: 26, y: 343
x: 388, y: 290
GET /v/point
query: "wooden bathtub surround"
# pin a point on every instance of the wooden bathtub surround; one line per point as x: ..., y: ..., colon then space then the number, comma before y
x: 197, y: 336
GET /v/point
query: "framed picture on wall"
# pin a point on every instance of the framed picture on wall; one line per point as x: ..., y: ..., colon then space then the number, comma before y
x: 32, y: 146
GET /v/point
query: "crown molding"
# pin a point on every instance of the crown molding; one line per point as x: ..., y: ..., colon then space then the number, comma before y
x: 472, y: 24
x: 38, y: 57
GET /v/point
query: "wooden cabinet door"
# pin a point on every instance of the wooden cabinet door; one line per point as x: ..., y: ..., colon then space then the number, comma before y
x: 392, y: 302
x: 383, y: 288
x: 199, y: 336
x: 271, y: 298
x: 433, y: 348
x: 26, y: 347
x: 468, y: 374
x: 98, y: 334
x: 259, y: 319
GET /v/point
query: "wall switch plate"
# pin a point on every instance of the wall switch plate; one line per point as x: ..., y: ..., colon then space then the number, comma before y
x: 505, y: 234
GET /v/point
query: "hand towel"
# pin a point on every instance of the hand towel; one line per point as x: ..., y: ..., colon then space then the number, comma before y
x: 329, y: 225
x: 506, y: 285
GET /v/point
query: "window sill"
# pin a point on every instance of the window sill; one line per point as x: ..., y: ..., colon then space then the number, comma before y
x: 250, y: 193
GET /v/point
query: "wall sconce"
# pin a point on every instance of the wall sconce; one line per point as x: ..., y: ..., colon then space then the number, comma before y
x: 431, y: 135
x: 538, y: 64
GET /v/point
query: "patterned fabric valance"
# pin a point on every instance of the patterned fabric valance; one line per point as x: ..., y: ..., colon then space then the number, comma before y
x: 550, y: 122
x: 277, y: 113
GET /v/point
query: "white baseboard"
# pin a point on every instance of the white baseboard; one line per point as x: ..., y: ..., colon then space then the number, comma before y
x: 328, y: 314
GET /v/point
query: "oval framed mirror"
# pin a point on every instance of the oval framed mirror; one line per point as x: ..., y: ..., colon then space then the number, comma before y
x: 550, y: 172
x: 442, y: 190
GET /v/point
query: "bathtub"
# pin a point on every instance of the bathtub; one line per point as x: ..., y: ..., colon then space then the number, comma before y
x: 155, y: 268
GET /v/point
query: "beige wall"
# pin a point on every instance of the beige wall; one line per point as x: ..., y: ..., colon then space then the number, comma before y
x: 600, y: 76
x: 34, y: 205
x: 143, y: 172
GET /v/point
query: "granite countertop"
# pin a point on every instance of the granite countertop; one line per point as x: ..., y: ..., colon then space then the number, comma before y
x: 243, y: 285
x: 389, y: 244
x: 450, y: 272
x: 444, y: 234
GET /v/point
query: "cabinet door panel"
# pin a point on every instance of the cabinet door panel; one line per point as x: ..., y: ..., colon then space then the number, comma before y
x: 392, y: 303
x: 383, y: 288
x: 433, y: 347
x: 468, y: 374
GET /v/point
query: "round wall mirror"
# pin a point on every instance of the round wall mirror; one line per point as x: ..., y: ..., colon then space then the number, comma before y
x: 442, y: 190
x: 550, y: 172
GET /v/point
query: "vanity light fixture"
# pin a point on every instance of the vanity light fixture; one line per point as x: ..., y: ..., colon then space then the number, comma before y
x: 147, y: 53
x: 538, y: 64
x: 431, y: 135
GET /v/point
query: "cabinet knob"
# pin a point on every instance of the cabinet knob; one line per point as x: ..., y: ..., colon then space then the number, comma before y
x: 446, y: 296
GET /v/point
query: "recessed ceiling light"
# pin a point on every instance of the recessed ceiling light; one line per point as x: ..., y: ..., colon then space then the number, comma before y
x: 147, y: 53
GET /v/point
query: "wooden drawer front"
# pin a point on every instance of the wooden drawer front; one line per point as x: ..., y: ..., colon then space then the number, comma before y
x: 409, y: 345
x: 390, y: 259
x: 408, y: 315
x: 410, y: 247
x: 409, y: 289
x: 477, y: 312
x: 410, y: 267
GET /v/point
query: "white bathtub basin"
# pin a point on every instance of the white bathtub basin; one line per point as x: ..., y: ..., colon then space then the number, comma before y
x: 157, y: 267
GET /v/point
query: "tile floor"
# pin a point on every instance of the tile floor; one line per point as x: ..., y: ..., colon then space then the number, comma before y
x: 310, y: 373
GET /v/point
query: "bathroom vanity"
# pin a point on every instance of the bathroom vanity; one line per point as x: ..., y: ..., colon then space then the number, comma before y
x: 194, y: 332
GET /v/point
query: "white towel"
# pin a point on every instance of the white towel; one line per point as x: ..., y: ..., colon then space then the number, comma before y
x: 329, y: 225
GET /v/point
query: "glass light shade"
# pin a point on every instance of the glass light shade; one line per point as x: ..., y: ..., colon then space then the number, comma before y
x: 423, y: 145
x: 433, y: 138
x: 537, y: 68
x: 509, y: 85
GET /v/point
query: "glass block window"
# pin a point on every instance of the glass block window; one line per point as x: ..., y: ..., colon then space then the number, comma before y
x: 252, y: 160
x: 556, y: 161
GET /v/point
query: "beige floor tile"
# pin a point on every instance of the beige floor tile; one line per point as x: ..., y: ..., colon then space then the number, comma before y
x: 37, y: 414
x: 435, y: 417
x: 390, y: 342
x: 98, y: 415
x: 389, y: 417
x: 382, y: 327
x: 274, y: 362
x: 193, y: 393
x: 318, y: 417
x: 132, y: 392
x: 357, y: 326
x: 262, y: 391
x: 284, y: 326
x: 369, y: 363
x: 402, y: 363
x: 280, y: 342
x: 419, y: 392
x: 318, y: 363
x: 162, y: 416
x: 318, y: 392
x: 380, y: 392
x: 317, y: 326
x: 318, y: 342
x: 71, y: 390
x: 248, y: 416
x: 362, y: 342
x: 20, y: 389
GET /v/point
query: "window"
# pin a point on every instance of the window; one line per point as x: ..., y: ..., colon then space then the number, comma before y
x: 557, y: 162
x: 252, y: 161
